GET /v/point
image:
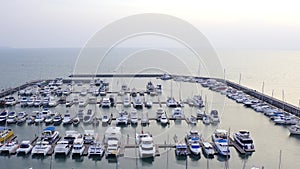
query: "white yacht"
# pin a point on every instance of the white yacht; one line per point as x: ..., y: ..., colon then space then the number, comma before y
x: 112, y: 141
x: 171, y: 102
x: 87, y: 118
x: 220, y: 141
x: 208, y: 149
x: 67, y: 119
x: 21, y: 117
x: 195, y: 147
x: 52, y: 102
x: 163, y: 119
x: 200, y: 114
x: 89, y: 136
x: 198, y: 101
x: 23, y: 101
x: 82, y: 103
x: 134, y: 118
x: 178, y: 113
x: 96, y: 149
x: 48, y: 120
x: 105, y: 103
x: 12, y: 118
x: 138, y: 103
x: 3, y: 116
x: 181, y: 149
x: 41, y: 147
x: 122, y: 117
x: 62, y: 147
x: 126, y: 101
x: 9, y: 147
x: 39, y: 118
x: 146, y: 148
x: 214, y: 115
x: 25, y: 147
x: 159, y: 112
x: 138, y: 137
x: 206, y: 119
x: 295, y: 129
x: 49, y: 134
x: 243, y: 139
x: 78, y: 147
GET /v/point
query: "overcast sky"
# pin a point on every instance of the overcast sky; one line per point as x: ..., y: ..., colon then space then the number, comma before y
x: 267, y: 24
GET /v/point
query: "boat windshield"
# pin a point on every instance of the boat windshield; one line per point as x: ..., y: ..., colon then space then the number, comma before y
x: 24, y: 146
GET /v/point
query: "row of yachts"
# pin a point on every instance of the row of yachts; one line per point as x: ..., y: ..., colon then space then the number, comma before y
x: 75, y: 143
x: 220, y: 143
x: 277, y: 115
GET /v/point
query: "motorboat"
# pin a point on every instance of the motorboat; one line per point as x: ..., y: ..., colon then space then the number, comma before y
x: 30, y: 120
x: 181, y: 149
x: 144, y: 119
x: 171, y: 102
x: 71, y: 135
x: 178, y: 113
x: 193, y: 120
x: 3, y: 116
x: 83, y: 92
x: 25, y: 147
x: 62, y: 147
x: 69, y: 103
x: 30, y: 101
x: 87, y: 118
x: 126, y: 101
x: 10, y: 101
x: 192, y: 136
x: 200, y: 114
x: 146, y: 147
x: 208, y: 149
x: 39, y: 118
x: 105, y: 103
x: 12, y: 118
x: 106, y: 118
x: 57, y: 119
x: 52, y: 102
x: 122, y: 117
x: 138, y: 103
x: 148, y: 104
x: 21, y: 117
x: 198, y: 101
x: 134, y: 118
x: 49, y: 134
x: 243, y: 139
x: 112, y: 140
x: 159, y: 112
x: 36, y: 102
x: 295, y: 129
x: 49, y: 120
x: 76, y: 121
x: 80, y: 114
x: 78, y: 147
x: 82, y: 103
x: 163, y: 119
x: 206, y: 119
x: 23, y: 101
x: 67, y: 119
x: 139, y: 136
x: 96, y: 149
x: 214, y: 115
x: 195, y: 147
x: 41, y: 148
x: 220, y: 142
x: 9, y: 147
x: 89, y: 136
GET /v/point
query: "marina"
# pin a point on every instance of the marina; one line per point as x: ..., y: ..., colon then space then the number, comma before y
x: 120, y: 115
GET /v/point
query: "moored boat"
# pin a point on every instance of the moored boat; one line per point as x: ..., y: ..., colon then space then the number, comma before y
x: 243, y: 139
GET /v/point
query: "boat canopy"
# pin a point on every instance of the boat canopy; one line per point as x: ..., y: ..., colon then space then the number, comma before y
x: 50, y: 128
